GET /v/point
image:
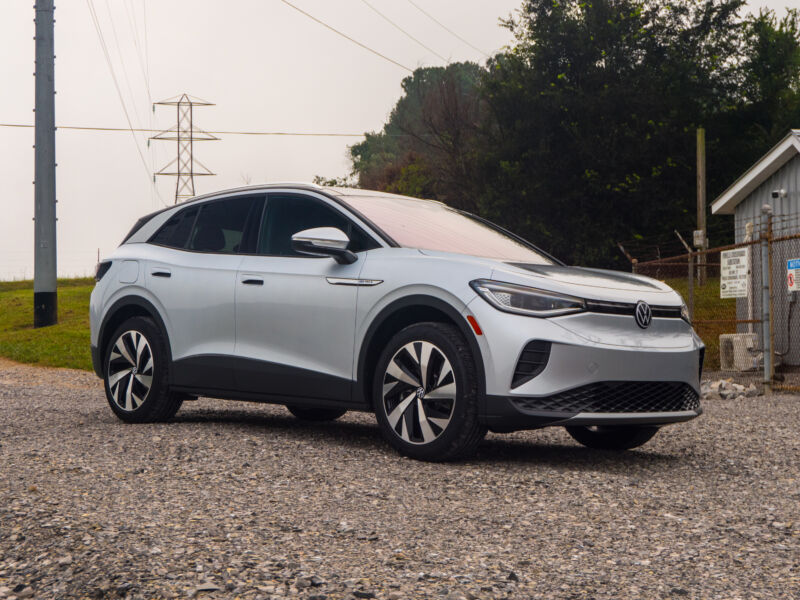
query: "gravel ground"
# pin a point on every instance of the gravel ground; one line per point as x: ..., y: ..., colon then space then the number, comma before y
x: 241, y: 500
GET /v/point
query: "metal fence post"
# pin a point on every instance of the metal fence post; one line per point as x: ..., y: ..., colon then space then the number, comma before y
x: 691, y: 287
x: 766, y: 304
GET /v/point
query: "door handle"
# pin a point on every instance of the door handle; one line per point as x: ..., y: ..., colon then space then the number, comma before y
x: 253, y: 281
x: 161, y: 274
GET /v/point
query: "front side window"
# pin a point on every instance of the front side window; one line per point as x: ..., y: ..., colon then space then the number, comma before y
x: 287, y: 214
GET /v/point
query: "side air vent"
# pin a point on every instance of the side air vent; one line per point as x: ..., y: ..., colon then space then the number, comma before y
x: 531, y: 362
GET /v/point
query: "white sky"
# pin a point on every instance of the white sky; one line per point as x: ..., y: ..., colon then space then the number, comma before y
x: 264, y: 65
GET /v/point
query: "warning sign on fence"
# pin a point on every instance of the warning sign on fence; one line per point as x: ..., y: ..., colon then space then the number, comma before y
x: 793, y: 271
x: 734, y: 278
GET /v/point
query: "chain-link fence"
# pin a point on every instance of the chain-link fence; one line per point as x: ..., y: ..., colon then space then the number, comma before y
x: 742, y: 301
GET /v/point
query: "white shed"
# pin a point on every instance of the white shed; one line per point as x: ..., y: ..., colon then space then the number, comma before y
x: 774, y: 180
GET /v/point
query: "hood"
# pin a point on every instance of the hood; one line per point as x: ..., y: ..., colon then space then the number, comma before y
x: 592, y: 284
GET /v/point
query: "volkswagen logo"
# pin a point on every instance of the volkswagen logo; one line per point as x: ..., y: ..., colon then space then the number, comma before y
x: 642, y: 314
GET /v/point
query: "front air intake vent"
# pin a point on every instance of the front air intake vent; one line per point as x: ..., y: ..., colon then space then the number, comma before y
x: 531, y: 362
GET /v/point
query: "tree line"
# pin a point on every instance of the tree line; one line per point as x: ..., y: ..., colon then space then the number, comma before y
x: 582, y: 132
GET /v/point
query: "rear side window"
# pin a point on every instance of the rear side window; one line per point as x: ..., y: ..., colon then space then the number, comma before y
x: 175, y: 232
x: 288, y: 214
x: 220, y: 227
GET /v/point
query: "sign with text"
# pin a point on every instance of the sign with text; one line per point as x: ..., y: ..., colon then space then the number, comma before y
x: 734, y: 280
x: 793, y: 272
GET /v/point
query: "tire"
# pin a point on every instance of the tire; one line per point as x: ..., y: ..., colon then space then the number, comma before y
x: 316, y: 414
x: 432, y: 417
x: 137, y: 355
x: 612, y: 437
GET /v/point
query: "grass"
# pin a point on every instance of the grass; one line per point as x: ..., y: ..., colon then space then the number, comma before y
x: 708, y: 306
x: 63, y: 345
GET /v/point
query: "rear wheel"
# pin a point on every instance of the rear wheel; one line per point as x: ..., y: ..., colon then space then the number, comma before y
x: 136, y: 373
x: 316, y: 414
x: 425, y: 393
x: 612, y: 437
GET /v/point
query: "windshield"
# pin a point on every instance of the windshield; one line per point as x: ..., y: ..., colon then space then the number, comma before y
x: 430, y: 225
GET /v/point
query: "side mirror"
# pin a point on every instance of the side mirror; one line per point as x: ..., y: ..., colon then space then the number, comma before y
x: 324, y: 241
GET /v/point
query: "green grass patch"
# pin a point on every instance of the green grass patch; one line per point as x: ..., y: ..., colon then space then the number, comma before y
x: 63, y: 345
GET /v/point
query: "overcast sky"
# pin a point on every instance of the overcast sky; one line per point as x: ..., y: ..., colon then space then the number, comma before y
x: 264, y: 65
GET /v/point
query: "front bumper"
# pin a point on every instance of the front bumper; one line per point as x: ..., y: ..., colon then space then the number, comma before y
x: 505, y: 414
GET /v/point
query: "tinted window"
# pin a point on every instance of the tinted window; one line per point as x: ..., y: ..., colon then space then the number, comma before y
x: 220, y: 226
x: 289, y: 214
x: 175, y: 231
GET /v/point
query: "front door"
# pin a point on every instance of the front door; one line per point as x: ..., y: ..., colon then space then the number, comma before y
x: 295, y: 314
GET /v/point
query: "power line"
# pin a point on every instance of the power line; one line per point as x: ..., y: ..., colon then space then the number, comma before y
x: 119, y: 92
x: 143, y: 130
x: 445, y: 27
x: 400, y: 29
x: 347, y: 37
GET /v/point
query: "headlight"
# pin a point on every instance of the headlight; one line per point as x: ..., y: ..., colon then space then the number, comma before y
x: 685, y: 313
x: 523, y: 300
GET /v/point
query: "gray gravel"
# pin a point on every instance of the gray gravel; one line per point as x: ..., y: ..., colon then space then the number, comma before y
x: 242, y: 500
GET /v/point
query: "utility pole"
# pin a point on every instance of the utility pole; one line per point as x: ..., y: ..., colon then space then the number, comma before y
x: 186, y: 167
x: 45, y: 304
x: 701, y: 235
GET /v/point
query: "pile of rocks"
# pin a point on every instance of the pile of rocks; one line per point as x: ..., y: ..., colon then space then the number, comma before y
x: 727, y: 389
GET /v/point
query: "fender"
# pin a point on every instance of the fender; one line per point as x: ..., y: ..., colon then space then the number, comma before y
x: 124, y: 302
x: 405, y: 302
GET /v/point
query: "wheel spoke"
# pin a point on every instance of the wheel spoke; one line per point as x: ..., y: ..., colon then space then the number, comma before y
x: 424, y: 360
x: 398, y: 411
x: 446, y: 370
x: 445, y: 392
x: 113, y: 379
x: 396, y: 371
x: 148, y: 366
x: 440, y: 423
x: 128, y: 402
x: 145, y: 380
x: 141, y: 344
x: 427, y: 432
x: 120, y: 347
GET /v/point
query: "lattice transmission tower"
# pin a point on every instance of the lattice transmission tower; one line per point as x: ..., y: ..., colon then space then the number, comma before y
x: 184, y: 166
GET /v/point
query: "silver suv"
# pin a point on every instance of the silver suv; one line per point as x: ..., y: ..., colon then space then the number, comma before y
x: 441, y: 323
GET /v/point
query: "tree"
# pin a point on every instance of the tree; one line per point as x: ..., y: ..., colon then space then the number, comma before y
x: 583, y: 132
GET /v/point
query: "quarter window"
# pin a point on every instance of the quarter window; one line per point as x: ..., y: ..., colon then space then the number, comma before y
x: 288, y: 214
x: 175, y: 232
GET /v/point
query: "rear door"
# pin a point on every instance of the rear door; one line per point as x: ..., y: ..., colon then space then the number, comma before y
x: 295, y: 314
x: 193, y: 274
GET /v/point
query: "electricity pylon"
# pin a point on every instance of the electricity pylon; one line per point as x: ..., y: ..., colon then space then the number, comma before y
x: 186, y: 167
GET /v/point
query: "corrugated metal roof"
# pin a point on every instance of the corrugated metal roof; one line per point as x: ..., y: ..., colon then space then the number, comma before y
x: 773, y: 160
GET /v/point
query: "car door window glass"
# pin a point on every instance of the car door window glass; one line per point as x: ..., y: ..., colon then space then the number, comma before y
x: 220, y: 226
x: 175, y: 232
x: 288, y: 214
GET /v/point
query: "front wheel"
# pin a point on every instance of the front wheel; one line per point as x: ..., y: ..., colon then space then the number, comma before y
x: 425, y: 393
x: 612, y: 437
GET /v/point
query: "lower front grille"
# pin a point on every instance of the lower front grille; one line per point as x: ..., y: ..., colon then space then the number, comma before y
x: 617, y: 397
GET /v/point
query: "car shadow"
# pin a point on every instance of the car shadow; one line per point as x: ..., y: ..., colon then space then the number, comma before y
x: 493, y: 450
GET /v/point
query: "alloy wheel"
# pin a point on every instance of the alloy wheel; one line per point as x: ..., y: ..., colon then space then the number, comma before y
x: 130, y: 370
x: 419, y: 392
